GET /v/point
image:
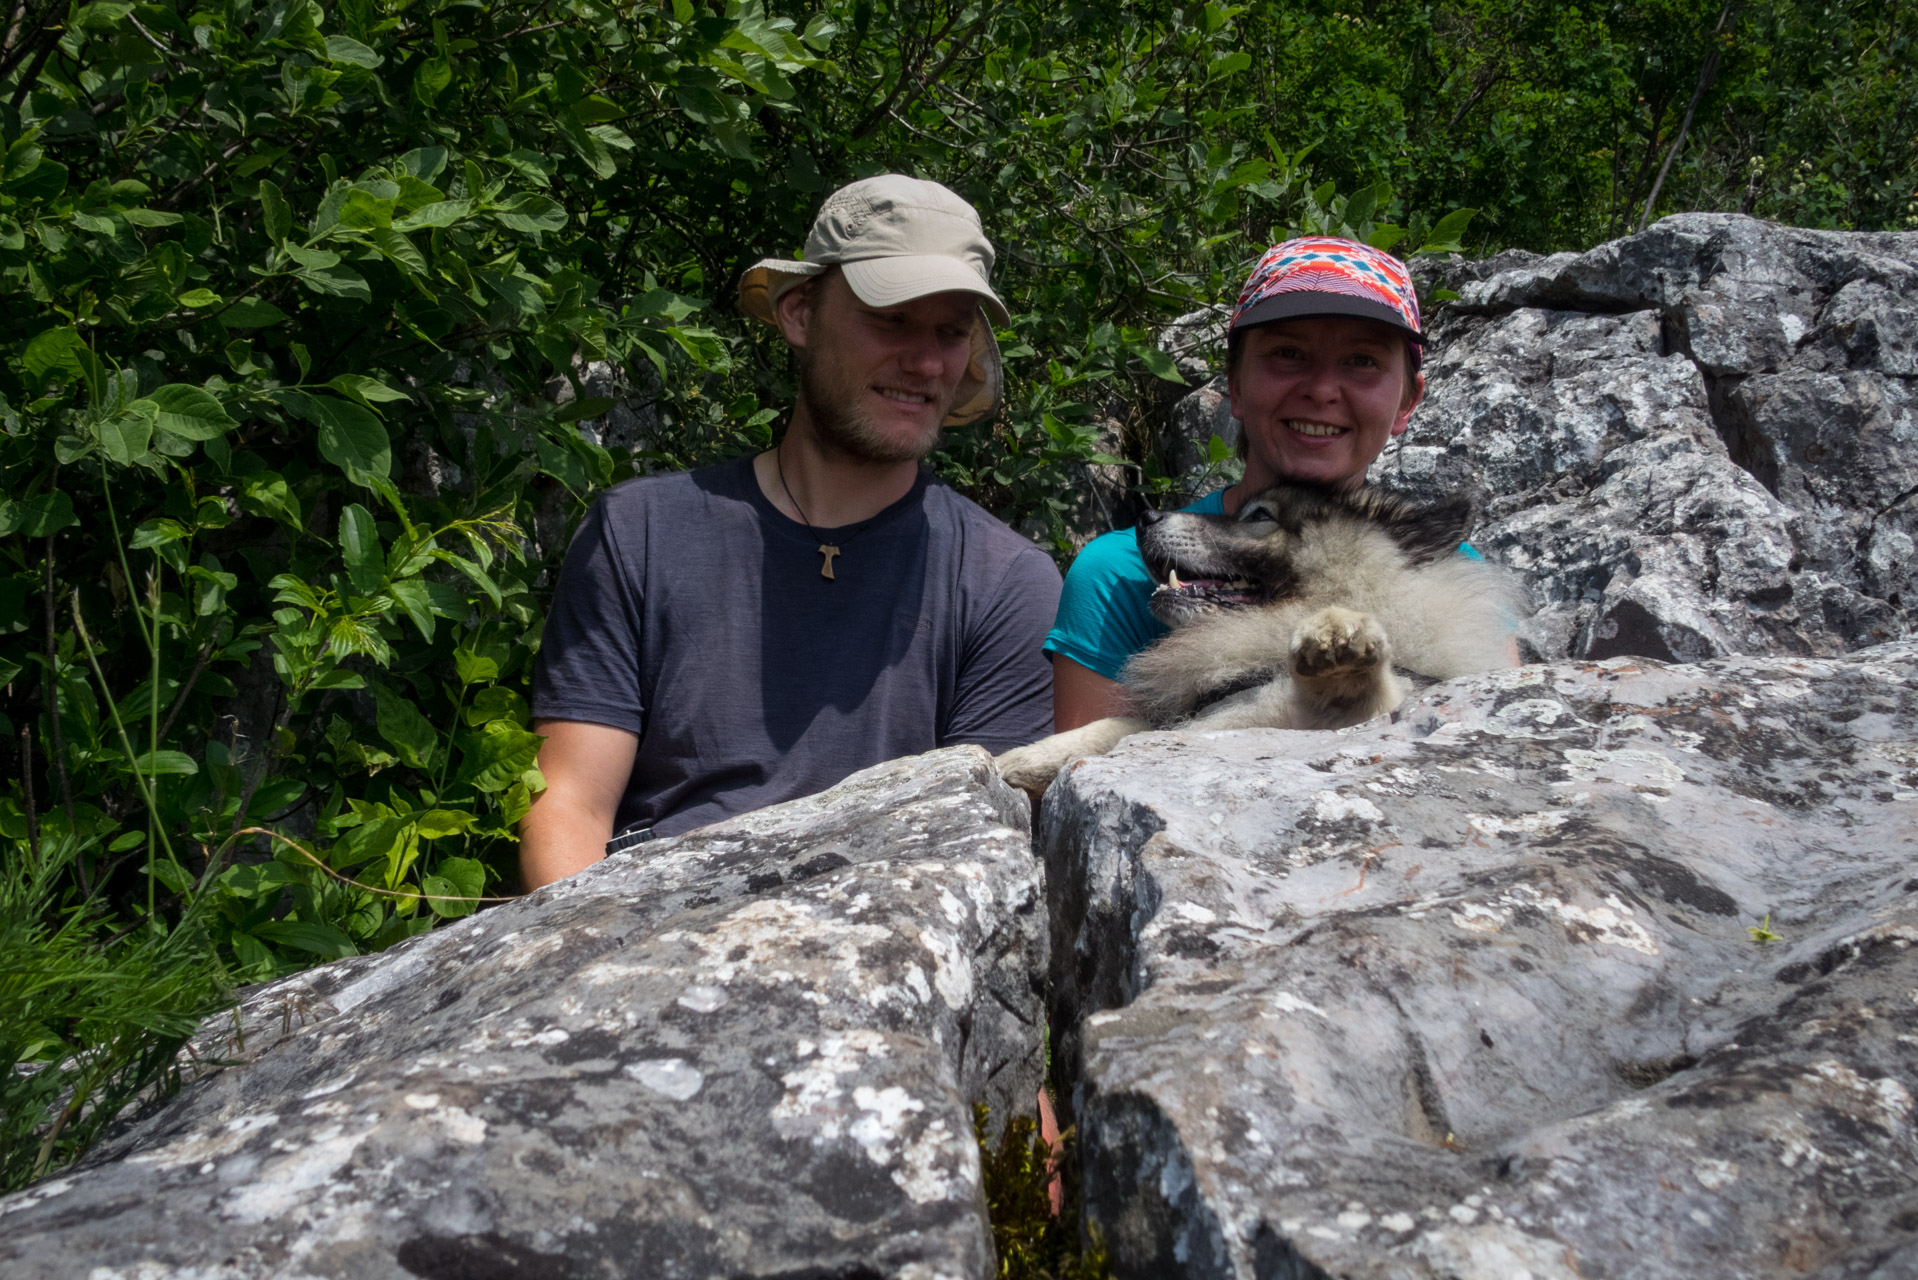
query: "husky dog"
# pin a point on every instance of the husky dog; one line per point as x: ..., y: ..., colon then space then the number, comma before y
x: 1293, y: 616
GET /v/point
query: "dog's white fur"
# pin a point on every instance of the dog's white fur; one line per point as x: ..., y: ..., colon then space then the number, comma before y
x: 1362, y: 606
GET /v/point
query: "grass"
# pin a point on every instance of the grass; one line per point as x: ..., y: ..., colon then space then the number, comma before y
x: 90, y: 1018
x: 1033, y: 1243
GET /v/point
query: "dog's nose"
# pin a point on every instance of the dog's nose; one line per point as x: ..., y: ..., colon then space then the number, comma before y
x: 1150, y: 517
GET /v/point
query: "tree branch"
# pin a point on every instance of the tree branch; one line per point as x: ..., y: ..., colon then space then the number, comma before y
x: 1706, y: 74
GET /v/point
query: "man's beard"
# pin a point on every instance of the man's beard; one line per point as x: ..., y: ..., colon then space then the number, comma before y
x: 840, y: 423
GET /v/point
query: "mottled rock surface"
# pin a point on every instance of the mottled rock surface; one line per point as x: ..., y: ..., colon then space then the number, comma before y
x: 1474, y: 991
x: 749, y: 1051
x: 1697, y: 441
x: 1193, y: 423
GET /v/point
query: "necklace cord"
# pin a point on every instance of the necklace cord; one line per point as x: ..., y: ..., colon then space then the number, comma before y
x: 779, y: 461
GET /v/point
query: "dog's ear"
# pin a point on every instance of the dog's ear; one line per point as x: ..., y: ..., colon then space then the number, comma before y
x: 1427, y: 533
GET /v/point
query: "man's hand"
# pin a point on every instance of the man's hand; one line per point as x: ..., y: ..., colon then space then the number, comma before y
x: 586, y: 768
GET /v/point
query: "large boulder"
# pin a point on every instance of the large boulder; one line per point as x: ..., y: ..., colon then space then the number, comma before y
x: 1600, y: 969
x: 753, y: 1050
x: 1697, y: 441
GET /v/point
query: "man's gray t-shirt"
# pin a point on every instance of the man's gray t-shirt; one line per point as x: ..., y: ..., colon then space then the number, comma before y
x: 692, y: 613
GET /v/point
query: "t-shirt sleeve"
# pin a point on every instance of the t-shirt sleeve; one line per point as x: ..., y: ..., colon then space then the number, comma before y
x: 1105, y: 613
x: 588, y: 666
x: 1003, y: 698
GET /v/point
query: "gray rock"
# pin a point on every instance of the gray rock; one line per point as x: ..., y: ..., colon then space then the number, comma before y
x: 1196, y: 342
x: 749, y: 1051
x: 1697, y: 441
x: 1187, y: 443
x: 1473, y: 992
x: 632, y: 424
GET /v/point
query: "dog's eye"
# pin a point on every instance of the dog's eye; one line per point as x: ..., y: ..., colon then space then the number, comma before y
x: 1258, y: 513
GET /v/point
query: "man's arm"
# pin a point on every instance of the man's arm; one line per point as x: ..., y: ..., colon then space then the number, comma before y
x: 586, y: 767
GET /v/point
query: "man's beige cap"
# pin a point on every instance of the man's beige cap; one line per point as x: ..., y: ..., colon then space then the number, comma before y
x: 896, y: 239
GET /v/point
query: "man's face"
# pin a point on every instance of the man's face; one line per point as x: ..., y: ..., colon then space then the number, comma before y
x: 878, y: 381
x: 1318, y: 397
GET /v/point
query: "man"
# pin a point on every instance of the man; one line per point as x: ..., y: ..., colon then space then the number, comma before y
x: 732, y: 637
x: 1323, y: 359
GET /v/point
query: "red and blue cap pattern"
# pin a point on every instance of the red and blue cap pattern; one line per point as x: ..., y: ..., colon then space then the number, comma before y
x: 1348, y: 278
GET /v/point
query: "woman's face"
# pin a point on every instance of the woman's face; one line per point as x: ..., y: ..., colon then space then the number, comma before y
x: 1318, y: 397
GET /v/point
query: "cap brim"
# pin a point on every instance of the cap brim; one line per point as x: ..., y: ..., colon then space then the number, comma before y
x: 1305, y: 302
x: 766, y: 279
x: 887, y: 282
x: 984, y: 387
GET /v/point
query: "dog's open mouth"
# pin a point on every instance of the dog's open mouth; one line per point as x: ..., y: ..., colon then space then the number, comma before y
x: 1226, y: 593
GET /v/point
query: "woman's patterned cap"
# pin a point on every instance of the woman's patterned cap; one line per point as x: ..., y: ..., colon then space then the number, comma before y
x: 1327, y: 276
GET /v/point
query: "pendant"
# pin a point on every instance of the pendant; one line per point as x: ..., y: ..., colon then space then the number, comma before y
x: 828, y: 551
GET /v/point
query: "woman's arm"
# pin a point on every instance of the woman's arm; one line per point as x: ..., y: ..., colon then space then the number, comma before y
x: 1081, y: 695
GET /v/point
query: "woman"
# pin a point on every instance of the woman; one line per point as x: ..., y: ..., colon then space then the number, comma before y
x: 1323, y: 361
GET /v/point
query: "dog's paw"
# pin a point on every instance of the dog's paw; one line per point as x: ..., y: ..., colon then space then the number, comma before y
x: 1337, y: 641
x: 1032, y: 768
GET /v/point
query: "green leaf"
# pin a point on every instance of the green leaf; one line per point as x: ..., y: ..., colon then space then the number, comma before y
x: 531, y: 213
x: 157, y: 533
x: 497, y: 755
x: 190, y: 412
x: 1230, y: 64
x: 474, y: 668
x: 412, y: 596
x: 348, y: 50
x: 396, y: 248
x: 339, y: 282
x: 154, y: 763
x: 38, y: 516
x: 1444, y: 237
x: 400, y: 723
x: 44, y: 181
x: 592, y: 407
x: 432, y: 78
x: 308, y: 935
x: 443, y: 214
x: 454, y: 878
x: 364, y: 211
x: 151, y: 217
x: 437, y: 824
x: 259, y: 880
x: 494, y: 703
x: 357, y: 386
x: 317, y: 259
x: 360, y: 548
x: 1159, y: 364
x: 1359, y: 207
x: 125, y: 436
x: 516, y: 292
x: 252, y: 313
x: 592, y: 150
x: 380, y: 838
x: 351, y: 438
x: 53, y: 351
x: 265, y: 493
x: 276, y: 214
x: 199, y: 298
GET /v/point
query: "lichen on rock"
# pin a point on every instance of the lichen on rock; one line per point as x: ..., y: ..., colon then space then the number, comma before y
x: 751, y: 1050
